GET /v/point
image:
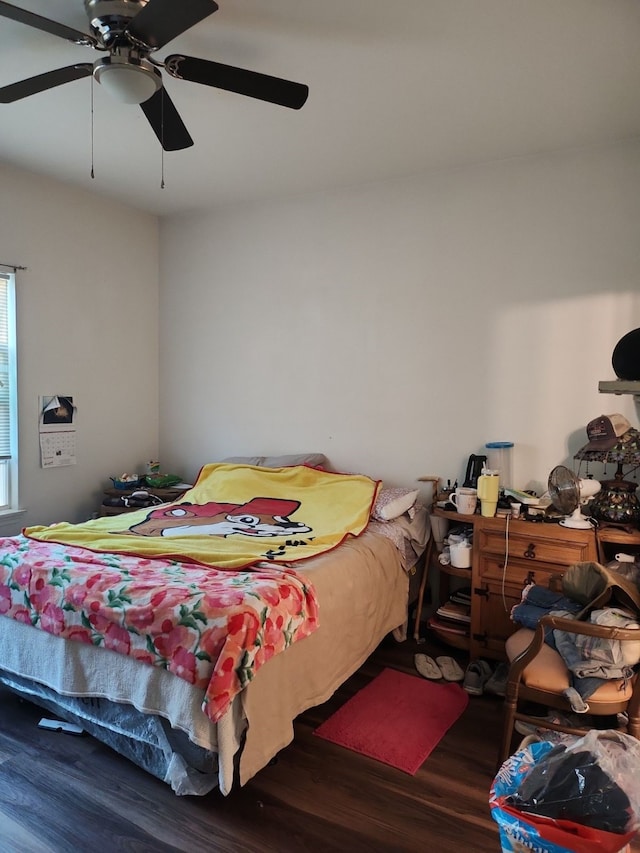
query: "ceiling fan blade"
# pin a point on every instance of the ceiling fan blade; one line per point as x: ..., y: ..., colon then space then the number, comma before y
x: 166, y: 122
x: 42, y: 82
x: 160, y: 21
x: 251, y: 83
x: 40, y: 23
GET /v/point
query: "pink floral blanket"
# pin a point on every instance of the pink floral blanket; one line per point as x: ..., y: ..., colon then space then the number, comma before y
x: 212, y: 628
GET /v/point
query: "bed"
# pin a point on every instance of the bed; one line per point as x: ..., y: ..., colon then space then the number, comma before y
x: 357, y: 590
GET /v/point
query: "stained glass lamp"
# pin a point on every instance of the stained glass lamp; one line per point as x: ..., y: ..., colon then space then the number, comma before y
x: 617, y: 502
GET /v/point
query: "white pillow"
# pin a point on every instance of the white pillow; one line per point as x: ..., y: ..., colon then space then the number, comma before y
x: 244, y: 460
x: 314, y: 460
x: 392, y: 503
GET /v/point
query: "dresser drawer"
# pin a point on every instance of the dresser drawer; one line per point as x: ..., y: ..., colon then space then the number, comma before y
x: 539, y: 546
x: 498, y: 590
x: 517, y: 575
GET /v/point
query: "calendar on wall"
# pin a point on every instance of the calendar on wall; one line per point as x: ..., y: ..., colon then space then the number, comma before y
x: 57, y: 431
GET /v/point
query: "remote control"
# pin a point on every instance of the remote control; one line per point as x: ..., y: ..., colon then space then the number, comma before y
x: 523, y: 497
x: 60, y: 726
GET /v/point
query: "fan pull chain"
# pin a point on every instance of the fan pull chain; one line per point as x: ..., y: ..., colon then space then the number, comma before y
x: 162, y: 140
x: 92, y: 172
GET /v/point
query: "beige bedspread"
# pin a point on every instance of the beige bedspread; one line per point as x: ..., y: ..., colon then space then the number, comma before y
x: 362, y: 589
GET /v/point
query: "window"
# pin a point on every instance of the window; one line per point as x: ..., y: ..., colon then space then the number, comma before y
x: 8, y: 396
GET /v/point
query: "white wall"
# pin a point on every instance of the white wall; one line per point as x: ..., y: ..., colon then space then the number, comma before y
x: 87, y: 326
x: 398, y: 327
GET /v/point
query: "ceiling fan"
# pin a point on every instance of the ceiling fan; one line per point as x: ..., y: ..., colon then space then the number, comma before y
x: 130, y: 31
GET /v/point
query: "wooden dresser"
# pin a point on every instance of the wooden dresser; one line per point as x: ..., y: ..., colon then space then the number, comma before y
x: 507, y: 555
x: 505, y: 559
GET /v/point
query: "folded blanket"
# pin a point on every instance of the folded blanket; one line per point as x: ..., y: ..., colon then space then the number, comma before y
x: 235, y: 516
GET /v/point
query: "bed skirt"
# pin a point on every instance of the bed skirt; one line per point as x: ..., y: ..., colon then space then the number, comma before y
x: 145, y: 739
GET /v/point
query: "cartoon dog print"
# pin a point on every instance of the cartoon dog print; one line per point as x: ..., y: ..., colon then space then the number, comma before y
x: 260, y: 517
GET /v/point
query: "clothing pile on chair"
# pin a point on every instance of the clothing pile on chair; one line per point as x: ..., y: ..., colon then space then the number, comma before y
x: 597, y: 594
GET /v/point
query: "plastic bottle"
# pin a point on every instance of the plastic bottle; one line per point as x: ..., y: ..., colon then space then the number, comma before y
x: 499, y: 458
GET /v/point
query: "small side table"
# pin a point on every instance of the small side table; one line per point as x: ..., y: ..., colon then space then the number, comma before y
x: 165, y: 496
x: 446, y: 572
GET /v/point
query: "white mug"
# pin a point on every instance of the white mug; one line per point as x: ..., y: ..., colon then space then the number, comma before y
x: 465, y: 500
x: 625, y: 558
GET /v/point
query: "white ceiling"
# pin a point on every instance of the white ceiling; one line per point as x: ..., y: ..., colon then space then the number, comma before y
x: 397, y: 87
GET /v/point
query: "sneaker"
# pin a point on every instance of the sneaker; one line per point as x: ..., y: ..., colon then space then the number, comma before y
x: 526, y: 729
x: 578, y: 705
x: 497, y: 681
x: 549, y: 736
x: 477, y: 674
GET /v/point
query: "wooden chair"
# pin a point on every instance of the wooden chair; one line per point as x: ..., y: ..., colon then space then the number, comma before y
x: 538, y: 674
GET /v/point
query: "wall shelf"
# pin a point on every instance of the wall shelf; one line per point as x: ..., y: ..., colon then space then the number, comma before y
x: 620, y: 386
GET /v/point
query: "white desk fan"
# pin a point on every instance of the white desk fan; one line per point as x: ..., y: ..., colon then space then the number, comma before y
x: 569, y: 493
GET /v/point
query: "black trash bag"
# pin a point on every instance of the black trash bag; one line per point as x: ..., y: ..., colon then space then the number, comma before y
x: 587, y: 782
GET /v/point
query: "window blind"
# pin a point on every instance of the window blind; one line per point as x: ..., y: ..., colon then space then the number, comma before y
x: 5, y: 387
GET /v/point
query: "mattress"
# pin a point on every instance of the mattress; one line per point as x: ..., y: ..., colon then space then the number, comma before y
x: 156, y: 719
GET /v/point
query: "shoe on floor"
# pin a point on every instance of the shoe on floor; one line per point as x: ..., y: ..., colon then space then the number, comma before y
x: 552, y: 717
x: 497, y: 681
x: 427, y: 667
x: 477, y: 674
x: 451, y: 671
x: 527, y: 729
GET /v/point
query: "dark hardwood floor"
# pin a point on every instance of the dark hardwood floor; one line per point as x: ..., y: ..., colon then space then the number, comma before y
x: 64, y: 794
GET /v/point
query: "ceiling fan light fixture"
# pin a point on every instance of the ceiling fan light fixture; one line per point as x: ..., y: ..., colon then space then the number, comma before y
x: 130, y: 81
x: 130, y: 31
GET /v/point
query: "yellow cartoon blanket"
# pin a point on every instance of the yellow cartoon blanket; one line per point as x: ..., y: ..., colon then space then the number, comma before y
x: 235, y: 516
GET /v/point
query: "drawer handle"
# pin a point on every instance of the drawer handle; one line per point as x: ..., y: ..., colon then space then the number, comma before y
x: 530, y: 553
